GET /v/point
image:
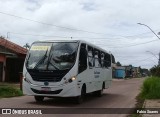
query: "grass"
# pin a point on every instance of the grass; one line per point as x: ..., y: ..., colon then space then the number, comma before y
x: 16, y: 85
x: 151, y: 88
x: 7, y: 90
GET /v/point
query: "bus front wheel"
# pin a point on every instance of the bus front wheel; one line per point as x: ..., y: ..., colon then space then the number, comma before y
x: 79, y: 99
x: 39, y: 98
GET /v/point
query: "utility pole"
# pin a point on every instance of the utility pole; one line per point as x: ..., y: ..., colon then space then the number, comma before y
x: 159, y: 59
x: 155, y: 35
x: 149, y: 29
x: 155, y: 56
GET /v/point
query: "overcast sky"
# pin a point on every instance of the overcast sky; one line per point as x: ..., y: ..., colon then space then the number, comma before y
x: 110, y: 24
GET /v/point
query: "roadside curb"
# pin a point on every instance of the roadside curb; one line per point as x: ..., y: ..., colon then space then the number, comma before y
x: 118, y: 79
x: 143, y: 106
x: 149, y: 104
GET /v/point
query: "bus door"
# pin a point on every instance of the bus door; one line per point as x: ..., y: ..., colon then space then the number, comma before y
x: 91, y: 64
x: 83, y: 76
x: 108, y: 70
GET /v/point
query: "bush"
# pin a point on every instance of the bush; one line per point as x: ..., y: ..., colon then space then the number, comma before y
x: 151, y: 88
x: 8, y: 91
x: 155, y: 71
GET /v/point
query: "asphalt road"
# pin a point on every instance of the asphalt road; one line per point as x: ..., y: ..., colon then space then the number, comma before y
x: 121, y: 94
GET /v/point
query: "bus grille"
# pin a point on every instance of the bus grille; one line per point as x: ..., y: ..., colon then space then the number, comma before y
x: 46, y: 92
x: 55, y: 76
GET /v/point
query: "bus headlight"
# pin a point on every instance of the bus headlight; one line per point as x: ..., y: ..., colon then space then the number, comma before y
x: 27, y: 80
x: 70, y: 80
x: 73, y: 78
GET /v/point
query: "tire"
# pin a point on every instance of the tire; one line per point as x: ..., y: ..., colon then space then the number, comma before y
x: 39, y: 98
x: 99, y: 93
x: 80, y: 99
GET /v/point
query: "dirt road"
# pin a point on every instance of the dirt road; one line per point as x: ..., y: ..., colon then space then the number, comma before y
x: 121, y: 94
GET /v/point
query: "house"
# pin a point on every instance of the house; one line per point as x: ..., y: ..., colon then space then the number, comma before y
x: 136, y: 71
x: 145, y: 72
x: 119, y: 72
x: 128, y: 70
x: 12, y: 58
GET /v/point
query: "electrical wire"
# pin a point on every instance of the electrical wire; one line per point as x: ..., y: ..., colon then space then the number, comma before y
x: 131, y: 45
x: 67, y: 27
x: 50, y: 24
x: 122, y: 46
x: 38, y: 35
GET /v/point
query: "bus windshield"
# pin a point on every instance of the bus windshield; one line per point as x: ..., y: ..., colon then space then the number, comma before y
x: 52, y: 56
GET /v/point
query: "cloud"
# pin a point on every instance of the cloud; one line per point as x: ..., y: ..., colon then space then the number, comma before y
x: 115, y: 20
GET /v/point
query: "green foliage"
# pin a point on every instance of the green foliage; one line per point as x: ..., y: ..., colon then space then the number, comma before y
x: 155, y: 71
x: 118, y: 63
x: 2, y: 37
x: 151, y: 88
x: 8, y: 91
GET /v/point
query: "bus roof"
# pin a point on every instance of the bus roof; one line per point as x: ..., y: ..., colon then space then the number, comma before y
x: 80, y: 41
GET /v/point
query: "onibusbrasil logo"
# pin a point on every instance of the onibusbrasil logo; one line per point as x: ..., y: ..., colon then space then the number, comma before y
x: 21, y: 111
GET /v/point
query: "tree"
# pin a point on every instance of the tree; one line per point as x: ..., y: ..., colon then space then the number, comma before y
x: 27, y: 46
x: 118, y: 63
x: 155, y: 71
x: 2, y: 37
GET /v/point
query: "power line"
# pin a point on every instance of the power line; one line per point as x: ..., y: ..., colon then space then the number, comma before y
x: 130, y: 56
x: 39, y: 35
x: 50, y: 24
x: 59, y: 36
x: 67, y: 27
x: 136, y: 35
x: 83, y: 37
x: 141, y: 60
x: 130, y: 45
x: 101, y: 39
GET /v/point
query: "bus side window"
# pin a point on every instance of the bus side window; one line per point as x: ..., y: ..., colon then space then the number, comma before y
x: 102, y: 59
x: 90, y: 57
x: 107, y: 60
x: 97, y: 58
x: 82, y: 58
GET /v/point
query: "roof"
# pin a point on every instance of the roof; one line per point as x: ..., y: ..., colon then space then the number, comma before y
x: 12, y: 46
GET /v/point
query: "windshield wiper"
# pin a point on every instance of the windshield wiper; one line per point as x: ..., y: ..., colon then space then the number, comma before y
x: 27, y: 60
x: 49, y: 62
x: 41, y: 60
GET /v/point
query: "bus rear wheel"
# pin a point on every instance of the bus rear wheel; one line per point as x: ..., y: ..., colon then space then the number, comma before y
x: 79, y: 99
x: 39, y: 98
x: 99, y: 93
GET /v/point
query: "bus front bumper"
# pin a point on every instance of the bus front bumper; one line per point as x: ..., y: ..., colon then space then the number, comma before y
x: 65, y: 90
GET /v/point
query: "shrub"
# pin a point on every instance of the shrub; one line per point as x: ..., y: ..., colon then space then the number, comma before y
x: 155, y: 71
x: 151, y: 88
x: 8, y: 91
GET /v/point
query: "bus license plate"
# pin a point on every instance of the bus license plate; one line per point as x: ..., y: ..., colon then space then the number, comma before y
x: 45, y: 88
